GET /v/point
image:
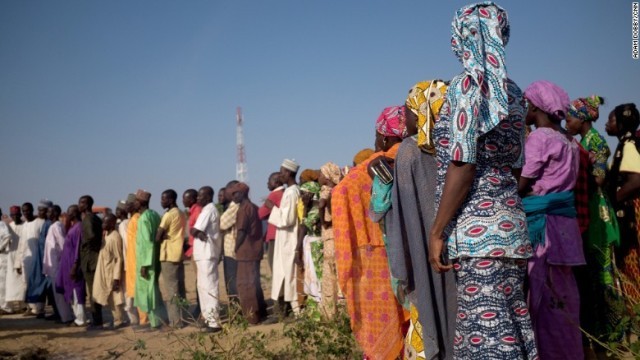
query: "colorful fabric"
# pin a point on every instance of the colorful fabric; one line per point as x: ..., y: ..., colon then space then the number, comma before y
x: 312, y: 221
x: 425, y: 100
x: 130, y: 259
x: 586, y: 109
x: 492, y: 221
x: 479, y: 96
x: 538, y: 207
x: 309, y: 175
x: 392, y: 122
x: 332, y: 172
x: 597, y: 147
x: 147, y: 291
x: 549, y: 97
x: 362, y: 266
x: 361, y: 156
x: 413, y: 344
x: 493, y: 320
x: 64, y: 284
x: 581, y: 190
x: 311, y: 187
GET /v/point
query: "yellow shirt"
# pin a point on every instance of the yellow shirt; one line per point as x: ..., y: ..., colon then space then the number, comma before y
x: 173, y: 222
x: 630, y: 158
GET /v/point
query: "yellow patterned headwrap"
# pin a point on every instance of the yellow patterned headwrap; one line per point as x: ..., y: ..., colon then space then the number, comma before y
x: 427, y: 111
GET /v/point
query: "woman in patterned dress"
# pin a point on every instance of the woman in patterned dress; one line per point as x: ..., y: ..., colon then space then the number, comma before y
x: 361, y: 258
x: 624, y: 191
x: 596, y: 279
x: 479, y: 150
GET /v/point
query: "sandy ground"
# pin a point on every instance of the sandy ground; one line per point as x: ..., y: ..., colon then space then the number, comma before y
x: 20, y: 334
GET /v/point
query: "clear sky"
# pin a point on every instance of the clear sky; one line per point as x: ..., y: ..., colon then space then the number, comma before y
x: 105, y: 97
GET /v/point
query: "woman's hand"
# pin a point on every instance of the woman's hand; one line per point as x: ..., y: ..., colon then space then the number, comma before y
x: 436, y: 244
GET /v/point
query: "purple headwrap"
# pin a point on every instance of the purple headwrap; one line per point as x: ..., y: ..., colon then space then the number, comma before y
x: 549, y: 97
x: 392, y: 122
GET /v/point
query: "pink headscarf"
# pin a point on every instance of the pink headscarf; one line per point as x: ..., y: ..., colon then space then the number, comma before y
x: 392, y: 122
x: 549, y: 97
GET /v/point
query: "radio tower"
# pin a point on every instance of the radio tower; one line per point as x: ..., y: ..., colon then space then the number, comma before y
x: 241, y: 166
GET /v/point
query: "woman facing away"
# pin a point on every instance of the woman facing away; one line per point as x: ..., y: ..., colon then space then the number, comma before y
x: 361, y: 259
x: 480, y: 220
x: 552, y: 161
x: 624, y: 191
x: 431, y: 295
x: 596, y: 279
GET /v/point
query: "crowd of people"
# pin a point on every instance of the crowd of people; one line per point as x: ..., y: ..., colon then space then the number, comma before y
x: 486, y: 223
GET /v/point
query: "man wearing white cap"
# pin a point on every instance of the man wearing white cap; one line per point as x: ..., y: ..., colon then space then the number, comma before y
x: 285, y: 219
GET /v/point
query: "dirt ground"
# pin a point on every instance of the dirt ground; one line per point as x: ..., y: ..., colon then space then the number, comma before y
x: 20, y: 334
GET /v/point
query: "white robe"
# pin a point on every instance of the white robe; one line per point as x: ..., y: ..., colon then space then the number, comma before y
x: 28, y: 248
x: 16, y: 286
x: 53, y: 245
x: 285, y: 219
x: 5, y: 242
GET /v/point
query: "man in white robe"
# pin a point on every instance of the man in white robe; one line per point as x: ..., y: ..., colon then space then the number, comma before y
x: 5, y: 242
x: 207, y: 252
x: 287, y: 249
x: 28, y: 251
x: 16, y: 286
x: 53, y: 245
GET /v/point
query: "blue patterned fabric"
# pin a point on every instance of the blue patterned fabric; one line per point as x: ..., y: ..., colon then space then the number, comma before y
x: 482, y: 122
x: 491, y: 221
x: 493, y: 318
x: 479, y: 34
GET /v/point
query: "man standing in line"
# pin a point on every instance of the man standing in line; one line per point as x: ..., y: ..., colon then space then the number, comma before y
x: 28, y: 254
x: 136, y: 316
x: 147, y: 296
x: 69, y: 280
x: 41, y: 289
x: 53, y: 245
x: 5, y: 243
x: 16, y: 286
x: 107, y: 289
x: 249, y: 251
x: 287, y: 249
x: 276, y: 190
x: 207, y: 251
x: 89, y: 251
x: 228, y: 230
x: 170, y: 236
x: 189, y: 200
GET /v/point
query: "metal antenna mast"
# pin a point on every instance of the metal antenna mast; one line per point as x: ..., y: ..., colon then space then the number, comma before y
x: 241, y: 165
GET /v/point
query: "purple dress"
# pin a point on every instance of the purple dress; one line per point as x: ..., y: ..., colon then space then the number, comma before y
x: 64, y: 284
x: 552, y: 161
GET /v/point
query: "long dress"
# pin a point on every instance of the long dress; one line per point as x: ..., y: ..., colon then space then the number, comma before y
x: 37, y: 282
x: 16, y: 285
x: 408, y: 224
x: 29, y: 251
x: 5, y: 242
x: 362, y: 266
x: 110, y: 264
x: 552, y: 160
x: 147, y: 295
x: 285, y: 219
x: 64, y: 284
x: 130, y: 259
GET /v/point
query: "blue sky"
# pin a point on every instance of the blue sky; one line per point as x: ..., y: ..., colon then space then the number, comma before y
x: 104, y: 97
